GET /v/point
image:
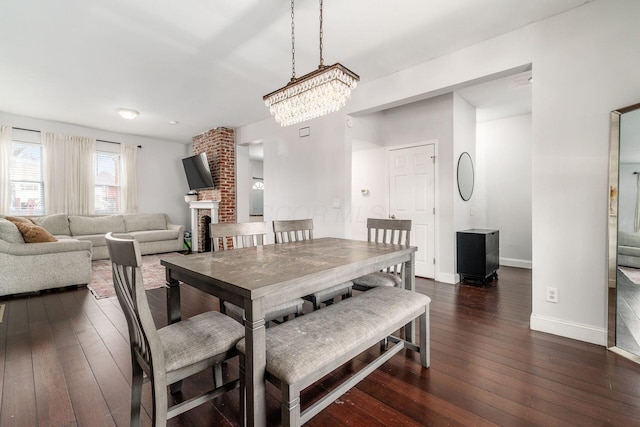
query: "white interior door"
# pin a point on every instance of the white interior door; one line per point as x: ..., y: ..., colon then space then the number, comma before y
x: 412, y: 196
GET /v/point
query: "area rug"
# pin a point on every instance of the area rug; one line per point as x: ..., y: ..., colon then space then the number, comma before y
x: 632, y: 274
x: 153, y: 274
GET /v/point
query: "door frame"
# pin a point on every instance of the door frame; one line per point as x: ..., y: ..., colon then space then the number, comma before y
x: 436, y: 193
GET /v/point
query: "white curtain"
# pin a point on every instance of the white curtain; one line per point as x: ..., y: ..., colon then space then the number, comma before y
x: 636, y: 222
x: 81, y: 174
x: 53, y: 169
x: 6, y: 135
x: 129, y: 178
x: 69, y: 173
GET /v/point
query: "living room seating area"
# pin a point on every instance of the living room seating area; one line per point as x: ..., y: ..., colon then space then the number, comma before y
x: 60, y: 255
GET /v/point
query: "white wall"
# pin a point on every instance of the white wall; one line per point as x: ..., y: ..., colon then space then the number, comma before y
x: 369, y: 172
x: 447, y: 119
x: 243, y: 182
x: 464, y: 140
x: 578, y: 79
x: 422, y: 121
x: 306, y: 177
x: 503, y: 185
x: 584, y: 66
x: 161, y: 180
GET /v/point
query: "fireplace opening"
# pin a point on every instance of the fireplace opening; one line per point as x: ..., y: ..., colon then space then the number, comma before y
x: 206, y: 220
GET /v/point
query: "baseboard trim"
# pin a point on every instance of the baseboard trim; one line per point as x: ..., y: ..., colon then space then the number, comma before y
x: 518, y: 263
x: 563, y: 328
x: 448, y: 278
x: 624, y: 353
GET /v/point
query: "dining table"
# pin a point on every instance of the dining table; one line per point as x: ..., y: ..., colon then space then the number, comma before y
x: 261, y: 277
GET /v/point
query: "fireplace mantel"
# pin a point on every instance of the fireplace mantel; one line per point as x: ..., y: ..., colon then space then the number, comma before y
x: 211, y: 205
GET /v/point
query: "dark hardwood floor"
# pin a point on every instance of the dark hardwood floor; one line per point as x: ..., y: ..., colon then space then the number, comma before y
x: 64, y: 361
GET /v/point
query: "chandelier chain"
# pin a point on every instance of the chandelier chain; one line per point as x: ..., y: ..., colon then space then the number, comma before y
x: 321, y: 34
x: 293, y: 45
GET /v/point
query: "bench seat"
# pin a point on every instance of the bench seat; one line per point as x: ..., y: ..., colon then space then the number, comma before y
x: 305, y: 349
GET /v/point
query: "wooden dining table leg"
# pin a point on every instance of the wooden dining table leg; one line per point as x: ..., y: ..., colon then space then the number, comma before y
x: 255, y: 364
x: 409, y: 282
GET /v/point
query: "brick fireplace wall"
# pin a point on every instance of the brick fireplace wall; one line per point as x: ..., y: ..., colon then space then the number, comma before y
x: 219, y: 145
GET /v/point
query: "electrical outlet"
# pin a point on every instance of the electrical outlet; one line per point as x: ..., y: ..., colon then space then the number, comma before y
x: 552, y: 295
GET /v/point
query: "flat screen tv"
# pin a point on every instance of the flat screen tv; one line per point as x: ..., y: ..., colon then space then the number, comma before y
x: 198, y: 172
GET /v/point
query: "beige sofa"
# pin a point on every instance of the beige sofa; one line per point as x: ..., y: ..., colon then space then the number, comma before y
x: 629, y: 249
x: 31, y: 267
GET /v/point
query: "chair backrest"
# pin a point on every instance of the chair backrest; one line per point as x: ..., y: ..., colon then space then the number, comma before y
x: 293, y: 230
x: 145, y: 343
x: 396, y: 231
x: 236, y: 236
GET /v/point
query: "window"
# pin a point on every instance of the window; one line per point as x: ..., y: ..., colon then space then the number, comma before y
x: 27, y: 188
x: 107, y: 183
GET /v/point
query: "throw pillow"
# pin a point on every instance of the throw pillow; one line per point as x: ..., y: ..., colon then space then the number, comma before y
x: 15, y: 219
x: 32, y: 233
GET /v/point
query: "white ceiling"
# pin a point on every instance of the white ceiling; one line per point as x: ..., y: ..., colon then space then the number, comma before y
x: 208, y: 63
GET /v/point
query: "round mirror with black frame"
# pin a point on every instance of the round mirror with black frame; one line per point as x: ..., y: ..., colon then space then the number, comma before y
x: 465, y: 176
x: 624, y: 233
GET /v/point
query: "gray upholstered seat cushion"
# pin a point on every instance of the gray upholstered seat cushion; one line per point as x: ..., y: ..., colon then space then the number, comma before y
x: 277, y: 312
x: 304, y: 345
x: 145, y: 222
x: 198, y: 338
x: 377, y: 279
x: 334, y: 291
x: 154, y: 235
x: 95, y: 239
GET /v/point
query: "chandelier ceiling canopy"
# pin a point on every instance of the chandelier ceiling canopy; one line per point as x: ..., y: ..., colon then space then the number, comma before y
x: 315, y: 94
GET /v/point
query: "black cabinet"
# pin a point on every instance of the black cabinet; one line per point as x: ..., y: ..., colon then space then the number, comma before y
x: 478, y: 253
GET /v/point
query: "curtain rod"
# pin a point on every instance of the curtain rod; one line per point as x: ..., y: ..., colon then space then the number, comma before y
x: 98, y: 140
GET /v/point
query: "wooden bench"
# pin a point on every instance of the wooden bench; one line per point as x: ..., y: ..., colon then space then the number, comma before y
x: 305, y: 349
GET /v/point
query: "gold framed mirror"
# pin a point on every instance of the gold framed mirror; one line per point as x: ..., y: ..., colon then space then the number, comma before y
x: 624, y: 233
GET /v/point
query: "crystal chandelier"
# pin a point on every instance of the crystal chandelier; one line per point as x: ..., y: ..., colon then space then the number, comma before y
x: 315, y: 94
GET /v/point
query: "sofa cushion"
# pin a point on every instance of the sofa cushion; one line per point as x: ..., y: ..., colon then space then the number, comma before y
x: 629, y: 250
x: 32, y: 233
x: 154, y: 235
x: 83, y: 225
x: 54, y: 224
x: 95, y: 239
x: 9, y: 232
x: 144, y: 222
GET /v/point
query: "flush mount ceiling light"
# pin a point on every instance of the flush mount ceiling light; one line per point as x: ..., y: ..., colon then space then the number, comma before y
x: 127, y: 113
x: 315, y: 94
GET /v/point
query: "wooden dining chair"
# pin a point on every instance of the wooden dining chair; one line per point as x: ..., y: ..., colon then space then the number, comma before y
x: 395, y: 231
x: 295, y: 230
x: 174, y: 352
x: 244, y: 235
